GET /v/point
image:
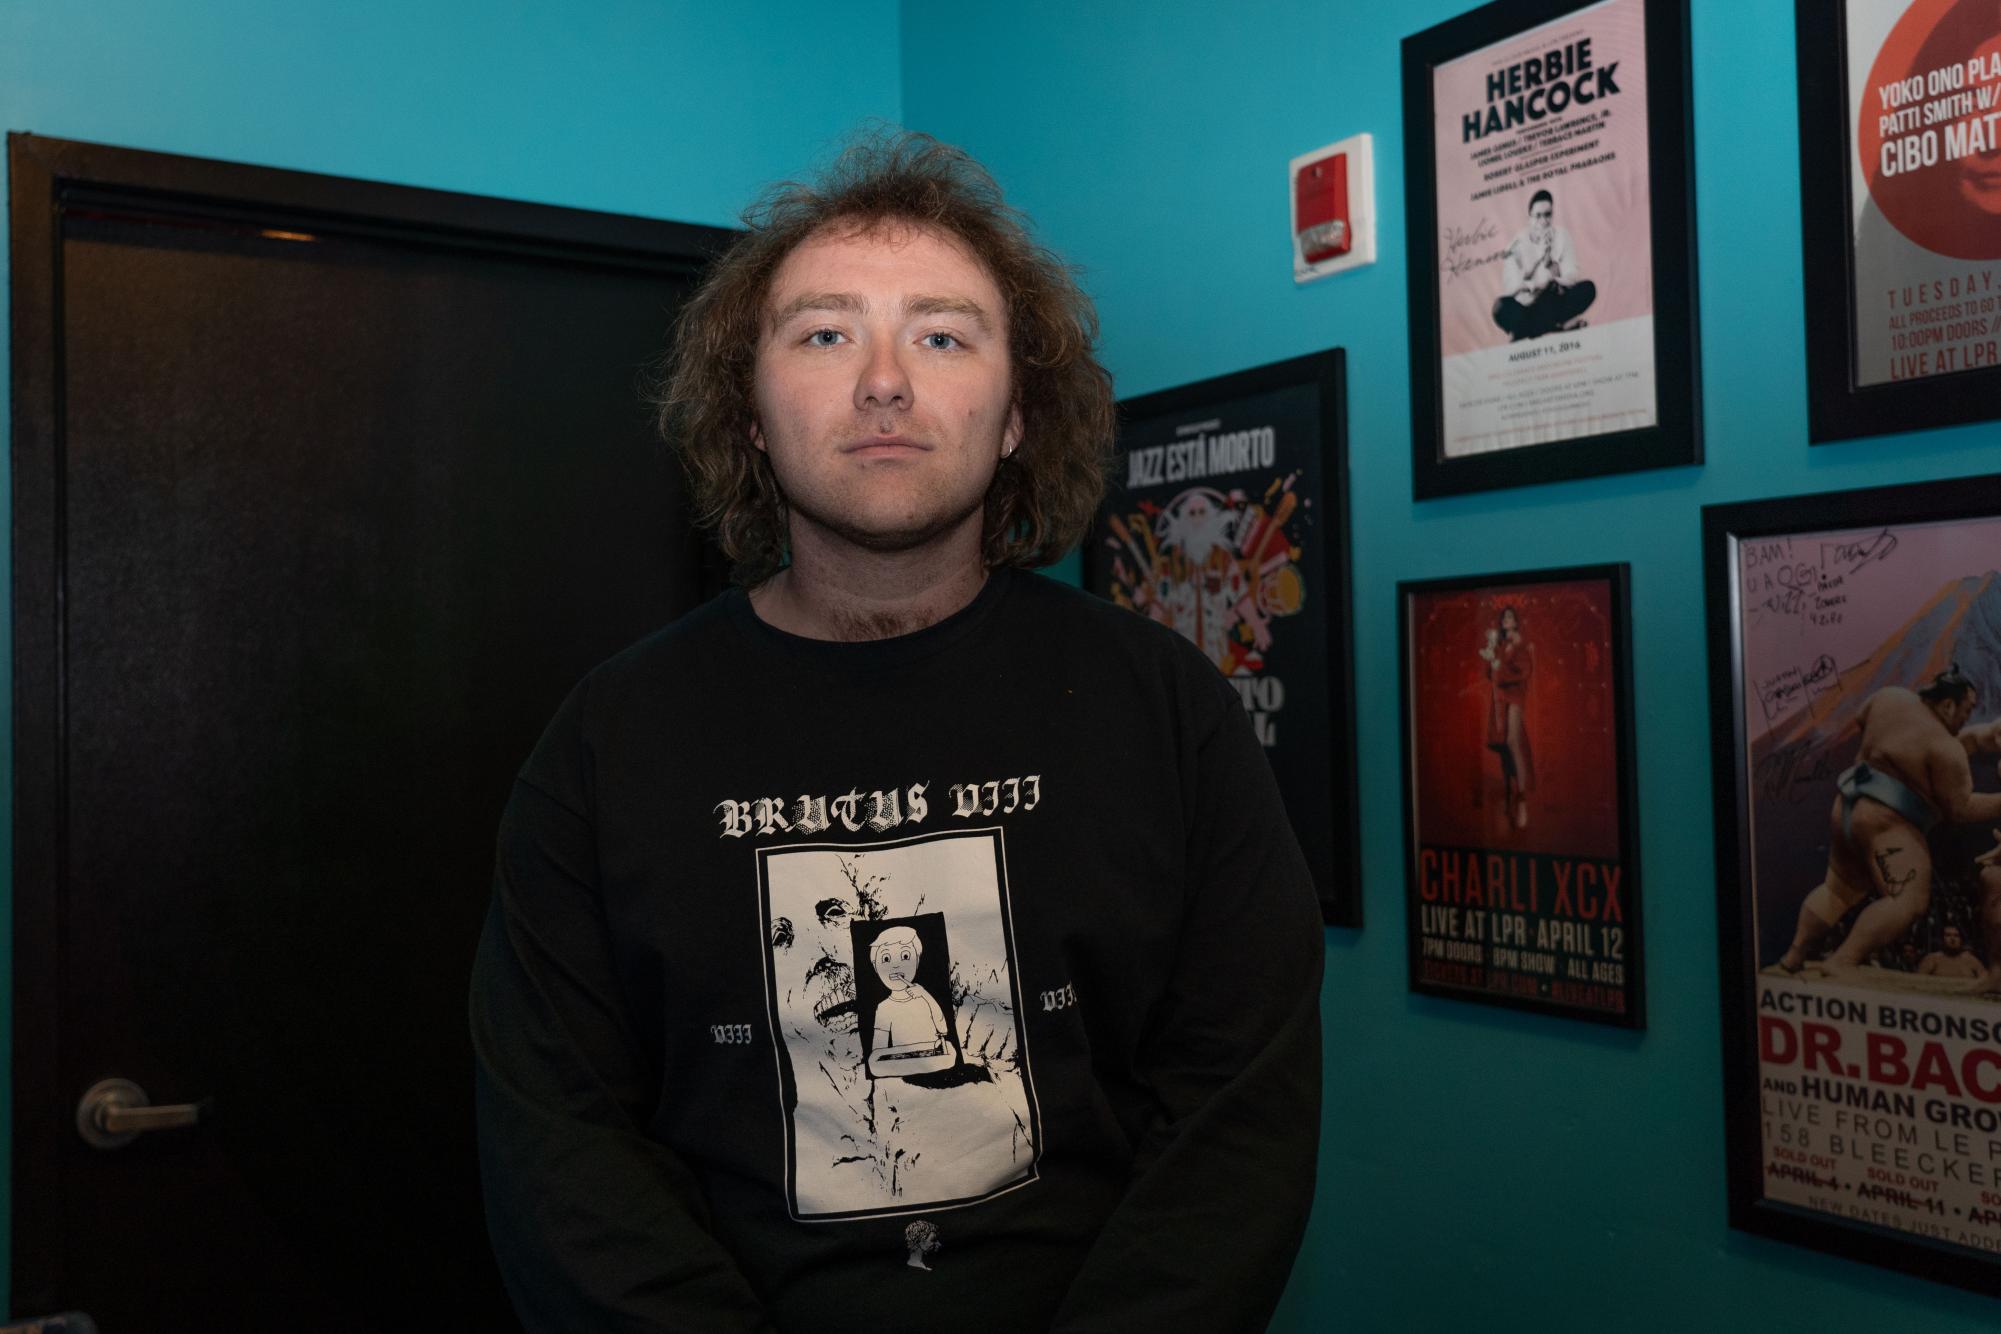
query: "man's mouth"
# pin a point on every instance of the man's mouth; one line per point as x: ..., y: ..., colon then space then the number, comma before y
x: 885, y: 446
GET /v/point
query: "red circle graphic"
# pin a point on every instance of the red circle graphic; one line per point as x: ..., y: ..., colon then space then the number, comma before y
x: 1938, y: 183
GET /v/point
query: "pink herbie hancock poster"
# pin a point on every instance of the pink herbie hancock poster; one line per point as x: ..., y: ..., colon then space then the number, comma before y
x: 1545, y: 283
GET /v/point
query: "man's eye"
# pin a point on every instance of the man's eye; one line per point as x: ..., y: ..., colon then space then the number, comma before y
x: 823, y: 337
x: 940, y: 342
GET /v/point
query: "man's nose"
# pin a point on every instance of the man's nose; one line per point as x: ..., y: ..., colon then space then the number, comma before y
x: 884, y: 382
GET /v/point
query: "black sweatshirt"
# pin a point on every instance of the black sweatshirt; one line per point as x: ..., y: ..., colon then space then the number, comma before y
x: 965, y: 979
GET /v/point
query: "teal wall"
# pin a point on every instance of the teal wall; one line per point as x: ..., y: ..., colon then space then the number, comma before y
x: 1480, y: 1169
x: 677, y: 109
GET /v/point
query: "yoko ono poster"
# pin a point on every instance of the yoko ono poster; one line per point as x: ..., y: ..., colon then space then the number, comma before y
x: 1900, y: 202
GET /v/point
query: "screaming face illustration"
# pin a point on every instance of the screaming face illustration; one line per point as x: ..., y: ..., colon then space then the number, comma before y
x: 830, y: 991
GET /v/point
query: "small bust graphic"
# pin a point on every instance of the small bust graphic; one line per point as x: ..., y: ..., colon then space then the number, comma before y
x: 922, y: 1239
x: 910, y: 1033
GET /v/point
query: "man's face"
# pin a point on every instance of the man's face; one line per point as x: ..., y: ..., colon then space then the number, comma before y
x: 1541, y: 212
x: 882, y: 385
x: 1953, y: 944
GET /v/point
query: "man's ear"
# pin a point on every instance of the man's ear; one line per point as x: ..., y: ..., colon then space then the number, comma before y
x: 1011, y: 437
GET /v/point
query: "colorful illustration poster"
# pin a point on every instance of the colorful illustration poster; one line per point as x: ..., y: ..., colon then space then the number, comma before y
x: 1924, y: 103
x: 1216, y: 525
x: 1870, y: 675
x: 1545, y: 248
x: 1523, y: 883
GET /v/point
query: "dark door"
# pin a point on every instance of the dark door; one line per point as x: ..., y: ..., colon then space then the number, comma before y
x: 325, y: 492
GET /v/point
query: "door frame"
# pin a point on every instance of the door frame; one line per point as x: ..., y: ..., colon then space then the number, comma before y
x: 50, y: 179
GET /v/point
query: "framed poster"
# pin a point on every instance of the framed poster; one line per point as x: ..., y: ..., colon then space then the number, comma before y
x: 1900, y: 213
x: 1227, y: 519
x: 1855, y: 683
x: 1550, y: 204
x: 1521, y: 853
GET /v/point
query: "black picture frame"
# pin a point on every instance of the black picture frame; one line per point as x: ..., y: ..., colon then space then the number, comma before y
x: 1308, y: 725
x: 1839, y: 406
x: 1561, y: 949
x: 1674, y: 437
x: 1770, y: 568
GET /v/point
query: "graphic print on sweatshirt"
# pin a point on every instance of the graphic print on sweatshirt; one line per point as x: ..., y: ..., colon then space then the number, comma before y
x: 899, y: 1043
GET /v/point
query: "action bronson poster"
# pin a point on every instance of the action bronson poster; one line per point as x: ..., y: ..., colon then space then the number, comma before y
x: 1862, y: 695
x: 1226, y: 521
x: 1544, y: 288
x: 1523, y: 879
x: 893, y: 996
x: 1924, y: 111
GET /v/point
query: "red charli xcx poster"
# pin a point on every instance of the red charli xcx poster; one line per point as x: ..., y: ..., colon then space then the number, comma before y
x: 1522, y: 877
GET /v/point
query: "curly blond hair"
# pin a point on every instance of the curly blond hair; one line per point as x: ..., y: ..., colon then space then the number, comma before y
x: 1043, y: 494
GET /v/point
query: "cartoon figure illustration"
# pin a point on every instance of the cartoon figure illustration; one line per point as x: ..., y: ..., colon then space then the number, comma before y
x: 922, y: 1239
x: 1217, y: 568
x: 910, y: 1033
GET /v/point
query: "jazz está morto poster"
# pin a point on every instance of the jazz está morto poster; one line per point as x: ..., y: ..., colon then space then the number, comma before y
x: 1226, y: 520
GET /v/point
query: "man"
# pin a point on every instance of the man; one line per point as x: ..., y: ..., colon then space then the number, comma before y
x: 1989, y: 879
x: 1951, y: 958
x: 1041, y: 811
x: 1911, y: 773
x: 1540, y: 286
x: 1980, y: 741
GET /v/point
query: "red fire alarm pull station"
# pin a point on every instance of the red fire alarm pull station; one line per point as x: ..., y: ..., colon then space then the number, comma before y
x: 1320, y: 203
x: 1333, y: 208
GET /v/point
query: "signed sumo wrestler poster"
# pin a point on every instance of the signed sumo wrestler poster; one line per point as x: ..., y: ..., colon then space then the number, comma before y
x: 1519, y: 832
x: 1900, y: 195
x: 1855, y: 675
x: 1227, y: 521
x: 1549, y: 217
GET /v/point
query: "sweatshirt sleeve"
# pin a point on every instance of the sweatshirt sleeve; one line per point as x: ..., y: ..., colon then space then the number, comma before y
x: 1223, y: 1178
x: 596, y: 1226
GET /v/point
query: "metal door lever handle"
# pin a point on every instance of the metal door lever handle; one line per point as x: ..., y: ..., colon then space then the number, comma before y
x: 114, y: 1112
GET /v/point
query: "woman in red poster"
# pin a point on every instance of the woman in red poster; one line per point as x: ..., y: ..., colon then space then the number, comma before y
x: 1510, y: 660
